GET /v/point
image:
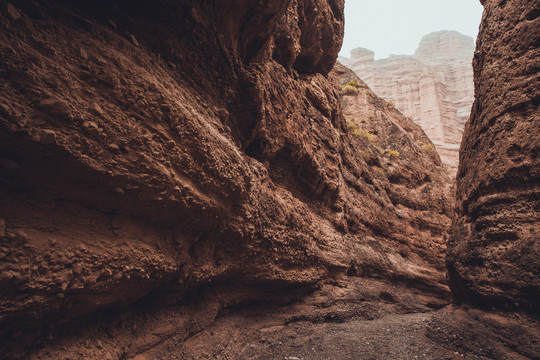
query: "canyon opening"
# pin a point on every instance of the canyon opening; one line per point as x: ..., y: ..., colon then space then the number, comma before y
x: 210, y: 180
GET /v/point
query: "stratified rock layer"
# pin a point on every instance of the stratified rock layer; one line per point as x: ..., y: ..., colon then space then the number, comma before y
x: 192, y: 156
x: 434, y: 86
x: 494, y: 251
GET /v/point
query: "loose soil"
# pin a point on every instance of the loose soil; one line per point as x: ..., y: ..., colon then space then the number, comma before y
x: 394, y: 336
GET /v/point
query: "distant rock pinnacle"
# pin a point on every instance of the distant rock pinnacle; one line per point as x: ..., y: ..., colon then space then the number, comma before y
x: 434, y: 86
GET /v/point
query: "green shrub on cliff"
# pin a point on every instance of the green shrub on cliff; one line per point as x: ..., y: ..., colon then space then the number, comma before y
x: 349, y: 90
x: 391, y: 153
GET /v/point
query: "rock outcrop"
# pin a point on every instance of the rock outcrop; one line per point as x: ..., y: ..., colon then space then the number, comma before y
x: 493, y: 254
x: 162, y: 161
x: 494, y: 250
x: 434, y: 86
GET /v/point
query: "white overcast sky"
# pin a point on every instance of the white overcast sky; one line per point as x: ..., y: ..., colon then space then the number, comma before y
x: 396, y: 26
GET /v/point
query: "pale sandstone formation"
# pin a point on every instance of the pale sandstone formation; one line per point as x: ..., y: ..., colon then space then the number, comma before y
x: 434, y: 86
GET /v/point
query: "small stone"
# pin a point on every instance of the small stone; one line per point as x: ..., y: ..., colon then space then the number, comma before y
x: 83, y: 54
x: 9, y: 164
x: 171, y: 144
x: 77, y: 268
x: 54, y: 107
x: 117, y: 276
x: 119, y: 190
x: 13, y: 12
x: 95, y: 108
x: 91, y: 127
x: 48, y: 137
x: 113, y: 147
x: 99, y: 344
x: 134, y: 40
x: 36, y: 138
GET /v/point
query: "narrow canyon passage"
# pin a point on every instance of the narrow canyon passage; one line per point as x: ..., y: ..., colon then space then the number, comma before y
x: 200, y: 180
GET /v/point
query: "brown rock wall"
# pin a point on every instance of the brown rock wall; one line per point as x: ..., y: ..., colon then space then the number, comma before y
x: 184, y: 154
x: 493, y: 251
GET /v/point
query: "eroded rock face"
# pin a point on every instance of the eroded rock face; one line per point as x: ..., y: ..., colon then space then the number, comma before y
x: 493, y: 256
x: 193, y: 155
x: 434, y: 86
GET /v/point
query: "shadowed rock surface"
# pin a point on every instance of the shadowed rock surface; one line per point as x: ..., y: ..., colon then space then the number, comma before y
x: 162, y: 161
x: 494, y: 249
x: 493, y: 254
x: 169, y: 167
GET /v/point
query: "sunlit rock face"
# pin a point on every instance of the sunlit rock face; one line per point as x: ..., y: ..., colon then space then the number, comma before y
x: 434, y: 86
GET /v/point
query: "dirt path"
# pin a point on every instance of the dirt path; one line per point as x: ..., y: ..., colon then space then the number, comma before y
x: 391, y: 337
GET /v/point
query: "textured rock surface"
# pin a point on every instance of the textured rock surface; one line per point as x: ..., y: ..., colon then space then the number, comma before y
x: 192, y: 156
x: 434, y: 86
x: 494, y: 251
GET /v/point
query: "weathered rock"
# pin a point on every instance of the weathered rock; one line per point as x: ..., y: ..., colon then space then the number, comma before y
x: 493, y: 257
x: 493, y: 253
x: 113, y: 147
x: 95, y: 108
x: 91, y: 127
x: 47, y: 137
x: 396, y: 148
x: 434, y: 86
x: 54, y: 107
x: 247, y: 187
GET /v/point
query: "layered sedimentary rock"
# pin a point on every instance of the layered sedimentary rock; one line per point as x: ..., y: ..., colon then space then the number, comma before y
x: 434, y: 86
x: 194, y: 155
x: 493, y: 254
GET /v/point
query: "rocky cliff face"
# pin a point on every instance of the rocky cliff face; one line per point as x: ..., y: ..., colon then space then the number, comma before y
x: 434, y: 86
x: 493, y: 253
x: 164, y: 160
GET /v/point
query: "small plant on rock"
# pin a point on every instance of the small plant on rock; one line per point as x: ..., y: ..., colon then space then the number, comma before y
x: 349, y: 90
x: 353, y: 128
x: 368, y: 135
x: 427, y: 147
x: 391, y: 154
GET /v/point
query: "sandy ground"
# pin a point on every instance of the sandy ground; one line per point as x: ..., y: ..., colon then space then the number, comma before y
x: 390, y: 337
